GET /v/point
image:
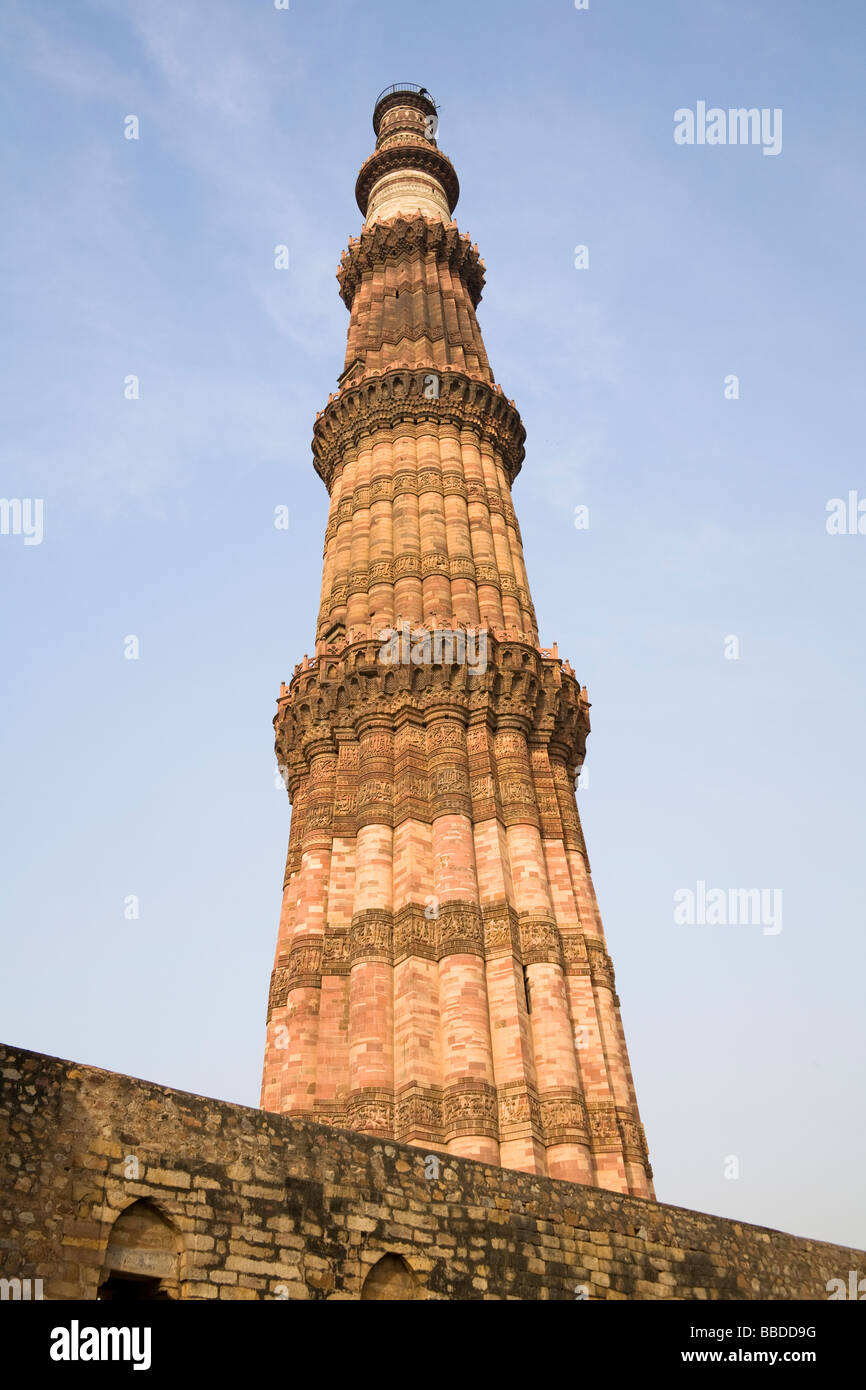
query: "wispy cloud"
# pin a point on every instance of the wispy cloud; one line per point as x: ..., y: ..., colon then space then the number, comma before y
x: 206, y: 92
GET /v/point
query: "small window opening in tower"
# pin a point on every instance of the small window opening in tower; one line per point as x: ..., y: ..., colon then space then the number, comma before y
x: 526, y: 991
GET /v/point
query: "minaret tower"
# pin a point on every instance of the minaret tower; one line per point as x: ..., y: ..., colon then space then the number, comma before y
x: 441, y: 973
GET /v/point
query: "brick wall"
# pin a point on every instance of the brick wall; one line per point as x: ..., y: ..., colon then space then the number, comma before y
x: 264, y: 1206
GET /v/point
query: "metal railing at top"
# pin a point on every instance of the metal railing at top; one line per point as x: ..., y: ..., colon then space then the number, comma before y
x: 405, y: 87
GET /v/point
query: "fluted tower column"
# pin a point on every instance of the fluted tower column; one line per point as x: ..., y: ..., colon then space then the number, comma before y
x: 441, y: 974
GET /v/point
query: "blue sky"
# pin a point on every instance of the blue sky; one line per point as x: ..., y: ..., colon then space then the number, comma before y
x: 155, y: 257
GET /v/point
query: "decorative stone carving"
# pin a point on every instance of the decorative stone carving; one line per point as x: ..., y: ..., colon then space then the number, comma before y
x: 575, y: 959
x: 375, y: 404
x: 519, y: 1108
x: 600, y: 963
x: 317, y: 817
x: 371, y: 1111
x: 335, y: 953
x: 415, y: 934
x: 279, y: 991
x: 371, y: 936
x: 470, y: 1108
x: 461, y: 930
x: 419, y: 1110
x: 501, y: 930
x: 604, y: 1126
x: 539, y: 939
x: 634, y: 1145
x: 409, y: 238
x: 421, y: 155
x: 453, y: 484
x: 305, y: 965
x: 334, y: 1115
x: 564, y: 1119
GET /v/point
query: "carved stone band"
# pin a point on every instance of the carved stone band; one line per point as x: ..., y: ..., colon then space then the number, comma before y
x: 564, y: 1118
x: 470, y: 1107
x: 416, y: 154
x: 380, y: 402
x: 371, y: 1111
x: 433, y: 931
x: 416, y: 484
x: 474, y: 1107
x: 539, y: 939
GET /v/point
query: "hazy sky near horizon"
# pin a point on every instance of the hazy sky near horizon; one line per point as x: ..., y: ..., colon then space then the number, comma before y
x: 707, y: 517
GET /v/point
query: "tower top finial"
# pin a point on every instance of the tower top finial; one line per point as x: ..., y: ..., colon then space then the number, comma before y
x: 407, y: 173
x: 402, y: 94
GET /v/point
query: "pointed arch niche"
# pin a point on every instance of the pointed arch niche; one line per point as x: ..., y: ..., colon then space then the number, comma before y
x: 142, y: 1259
x: 391, y: 1279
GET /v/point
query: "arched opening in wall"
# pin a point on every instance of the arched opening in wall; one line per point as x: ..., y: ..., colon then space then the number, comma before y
x: 142, y: 1259
x: 131, y: 1288
x: 391, y: 1279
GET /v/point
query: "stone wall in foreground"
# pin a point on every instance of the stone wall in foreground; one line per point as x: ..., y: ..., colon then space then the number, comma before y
x: 110, y: 1183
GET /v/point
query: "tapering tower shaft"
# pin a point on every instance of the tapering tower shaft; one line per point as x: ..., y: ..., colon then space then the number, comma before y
x: 441, y: 972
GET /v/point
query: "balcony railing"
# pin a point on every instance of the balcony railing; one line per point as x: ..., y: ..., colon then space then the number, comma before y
x: 405, y: 87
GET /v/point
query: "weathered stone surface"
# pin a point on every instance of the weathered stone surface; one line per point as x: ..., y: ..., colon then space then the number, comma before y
x: 220, y: 1201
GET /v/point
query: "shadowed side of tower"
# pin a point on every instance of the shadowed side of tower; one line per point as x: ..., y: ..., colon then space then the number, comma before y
x: 441, y: 974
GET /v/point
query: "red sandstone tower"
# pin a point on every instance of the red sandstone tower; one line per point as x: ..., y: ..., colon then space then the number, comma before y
x: 441, y: 973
